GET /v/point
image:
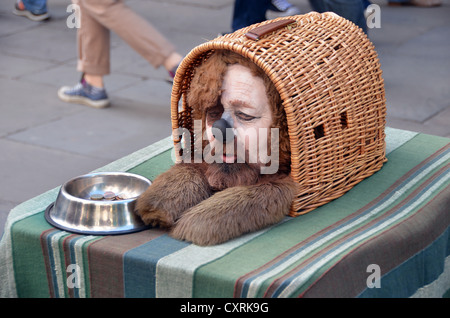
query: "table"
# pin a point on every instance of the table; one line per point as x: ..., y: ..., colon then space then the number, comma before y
x: 386, y: 237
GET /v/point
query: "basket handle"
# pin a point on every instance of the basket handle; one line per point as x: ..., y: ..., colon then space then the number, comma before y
x: 257, y: 32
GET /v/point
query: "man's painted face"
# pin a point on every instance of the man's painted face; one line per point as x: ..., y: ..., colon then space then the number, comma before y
x: 245, y: 108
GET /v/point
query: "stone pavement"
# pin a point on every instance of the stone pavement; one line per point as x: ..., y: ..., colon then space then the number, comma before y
x: 44, y: 142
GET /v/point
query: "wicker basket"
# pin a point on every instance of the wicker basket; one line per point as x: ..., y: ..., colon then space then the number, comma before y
x: 329, y: 78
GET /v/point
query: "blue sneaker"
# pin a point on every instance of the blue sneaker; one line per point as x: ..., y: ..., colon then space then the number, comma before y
x: 20, y: 10
x: 84, y: 93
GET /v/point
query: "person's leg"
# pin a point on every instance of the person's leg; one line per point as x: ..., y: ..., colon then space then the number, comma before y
x: 318, y: 5
x: 247, y: 12
x: 93, y: 42
x: 352, y: 10
x: 419, y: 3
x: 398, y: 2
x: 366, y: 3
x: 135, y: 31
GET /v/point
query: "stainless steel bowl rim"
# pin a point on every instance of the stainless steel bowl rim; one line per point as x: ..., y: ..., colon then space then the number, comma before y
x: 95, y: 174
x: 81, y: 215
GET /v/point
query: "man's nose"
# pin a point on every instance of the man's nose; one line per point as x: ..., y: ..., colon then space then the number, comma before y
x: 222, y: 124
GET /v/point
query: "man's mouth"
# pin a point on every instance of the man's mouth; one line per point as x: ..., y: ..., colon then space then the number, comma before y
x: 229, y: 159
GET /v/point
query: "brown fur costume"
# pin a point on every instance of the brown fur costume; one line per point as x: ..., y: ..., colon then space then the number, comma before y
x: 212, y: 203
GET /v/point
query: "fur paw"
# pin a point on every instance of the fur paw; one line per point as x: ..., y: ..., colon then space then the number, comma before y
x: 233, y: 212
x: 199, y: 229
x: 171, y: 194
x: 153, y: 212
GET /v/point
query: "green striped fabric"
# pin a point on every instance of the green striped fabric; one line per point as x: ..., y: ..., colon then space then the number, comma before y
x: 396, y: 220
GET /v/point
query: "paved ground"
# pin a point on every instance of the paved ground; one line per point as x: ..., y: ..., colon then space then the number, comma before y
x: 44, y: 142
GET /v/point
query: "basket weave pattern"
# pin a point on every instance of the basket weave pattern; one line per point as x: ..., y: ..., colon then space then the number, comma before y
x: 329, y: 78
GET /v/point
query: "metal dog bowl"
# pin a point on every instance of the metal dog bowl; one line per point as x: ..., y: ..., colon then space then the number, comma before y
x: 83, y: 204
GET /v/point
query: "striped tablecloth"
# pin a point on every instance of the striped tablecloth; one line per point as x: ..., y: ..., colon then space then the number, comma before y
x: 395, y: 224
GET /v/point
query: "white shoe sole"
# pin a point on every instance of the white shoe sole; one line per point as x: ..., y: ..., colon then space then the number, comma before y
x: 31, y: 16
x: 81, y: 100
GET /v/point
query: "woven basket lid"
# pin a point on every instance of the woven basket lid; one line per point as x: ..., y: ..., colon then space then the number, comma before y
x: 328, y: 75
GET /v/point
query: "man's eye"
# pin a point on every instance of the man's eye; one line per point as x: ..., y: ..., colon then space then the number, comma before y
x: 244, y: 117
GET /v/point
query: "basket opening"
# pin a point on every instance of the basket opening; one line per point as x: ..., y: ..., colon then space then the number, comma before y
x: 337, y: 47
x: 344, y: 120
x: 371, y: 140
x: 319, y: 132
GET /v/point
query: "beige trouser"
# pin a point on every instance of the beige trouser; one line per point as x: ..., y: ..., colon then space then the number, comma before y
x: 98, y: 18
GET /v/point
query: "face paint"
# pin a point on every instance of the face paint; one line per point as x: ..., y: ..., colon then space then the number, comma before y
x: 226, y: 127
x: 238, y: 128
